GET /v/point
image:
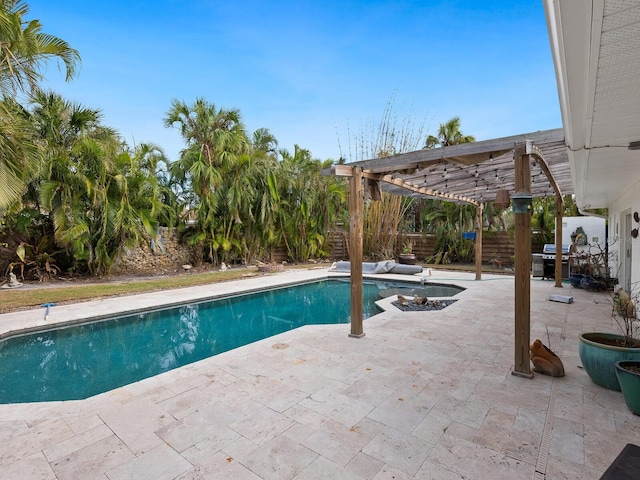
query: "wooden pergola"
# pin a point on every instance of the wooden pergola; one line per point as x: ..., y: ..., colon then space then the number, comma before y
x: 529, y: 165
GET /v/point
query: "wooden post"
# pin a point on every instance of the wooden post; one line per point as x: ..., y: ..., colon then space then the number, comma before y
x: 478, y: 243
x: 355, y: 238
x: 522, y: 365
x: 559, y: 208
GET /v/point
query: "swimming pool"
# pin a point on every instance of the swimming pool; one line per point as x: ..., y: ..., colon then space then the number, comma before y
x: 84, y: 360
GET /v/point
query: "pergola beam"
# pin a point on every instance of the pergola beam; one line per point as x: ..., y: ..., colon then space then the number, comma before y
x: 427, y: 192
x: 473, y: 171
x: 346, y: 171
x: 538, y: 156
x: 464, y: 153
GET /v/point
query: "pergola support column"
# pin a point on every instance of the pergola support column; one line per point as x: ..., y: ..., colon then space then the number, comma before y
x: 478, y: 244
x: 522, y: 366
x: 356, y: 207
x: 558, y: 264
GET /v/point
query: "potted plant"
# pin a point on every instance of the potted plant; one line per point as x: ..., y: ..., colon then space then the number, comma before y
x: 628, y: 374
x: 496, y: 261
x: 407, y: 256
x: 599, y: 352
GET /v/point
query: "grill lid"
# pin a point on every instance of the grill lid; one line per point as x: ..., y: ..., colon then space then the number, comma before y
x: 550, y: 249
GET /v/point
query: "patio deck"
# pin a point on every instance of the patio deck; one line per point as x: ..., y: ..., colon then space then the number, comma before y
x: 424, y: 395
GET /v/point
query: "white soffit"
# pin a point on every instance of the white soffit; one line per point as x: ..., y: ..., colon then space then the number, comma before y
x: 596, y: 50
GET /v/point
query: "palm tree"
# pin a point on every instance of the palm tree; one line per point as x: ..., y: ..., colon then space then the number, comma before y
x: 107, y: 202
x: 151, y: 167
x: 253, y: 197
x: 447, y: 220
x: 448, y: 134
x: 216, y: 139
x: 57, y: 126
x: 100, y: 195
x: 264, y: 143
x: 24, y: 48
x: 59, y: 122
x: 18, y: 152
x: 308, y: 203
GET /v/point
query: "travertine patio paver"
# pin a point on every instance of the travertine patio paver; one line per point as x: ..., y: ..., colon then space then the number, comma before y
x: 160, y: 463
x: 424, y: 395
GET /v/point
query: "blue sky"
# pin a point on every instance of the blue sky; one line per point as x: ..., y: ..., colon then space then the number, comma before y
x: 316, y: 73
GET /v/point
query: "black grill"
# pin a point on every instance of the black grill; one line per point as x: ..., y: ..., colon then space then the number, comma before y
x: 549, y: 260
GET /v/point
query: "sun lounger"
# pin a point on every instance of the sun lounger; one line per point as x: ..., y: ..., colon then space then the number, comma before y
x: 387, y: 266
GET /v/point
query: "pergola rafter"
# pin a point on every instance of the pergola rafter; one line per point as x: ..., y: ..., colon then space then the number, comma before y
x: 346, y: 171
x: 475, y: 171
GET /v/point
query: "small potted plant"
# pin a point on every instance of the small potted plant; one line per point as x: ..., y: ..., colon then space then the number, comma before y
x: 628, y: 374
x: 407, y: 256
x: 496, y: 261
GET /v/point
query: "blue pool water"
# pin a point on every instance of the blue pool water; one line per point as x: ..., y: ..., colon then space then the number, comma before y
x: 80, y: 361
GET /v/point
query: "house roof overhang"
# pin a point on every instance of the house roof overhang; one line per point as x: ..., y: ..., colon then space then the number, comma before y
x: 595, y: 46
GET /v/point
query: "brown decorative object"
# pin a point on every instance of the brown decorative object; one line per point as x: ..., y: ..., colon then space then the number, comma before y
x: 545, y: 361
x: 634, y: 233
x: 503, y: 200
x: 636, y: 217
x: 407, y: 258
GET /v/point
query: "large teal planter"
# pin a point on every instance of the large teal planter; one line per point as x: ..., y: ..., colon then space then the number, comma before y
x: 599, y: 359
x: 630, y: 384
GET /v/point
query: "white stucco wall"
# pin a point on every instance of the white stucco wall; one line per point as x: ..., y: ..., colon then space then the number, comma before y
x: 621, y: 241
x: 595, y: 228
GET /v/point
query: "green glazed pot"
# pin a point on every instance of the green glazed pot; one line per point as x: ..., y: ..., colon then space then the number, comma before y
x: 630, y: 384
x: 599, y: 354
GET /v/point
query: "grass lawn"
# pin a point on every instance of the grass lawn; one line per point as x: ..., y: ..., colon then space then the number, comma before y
x: 70, y: 292
x: 19, y: 298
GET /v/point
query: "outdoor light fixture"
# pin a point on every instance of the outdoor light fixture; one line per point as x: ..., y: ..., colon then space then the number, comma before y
x: 522, y: 202
x: 502, y: 199
x: 634, y: 145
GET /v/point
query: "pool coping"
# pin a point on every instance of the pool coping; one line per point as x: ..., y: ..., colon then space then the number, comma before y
x: 35, y: 322
x: 133, y: 311
x: 30, y: 321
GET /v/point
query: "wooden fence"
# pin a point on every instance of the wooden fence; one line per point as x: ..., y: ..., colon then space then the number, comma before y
x: 495, y: 246
x: 498, y: 246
